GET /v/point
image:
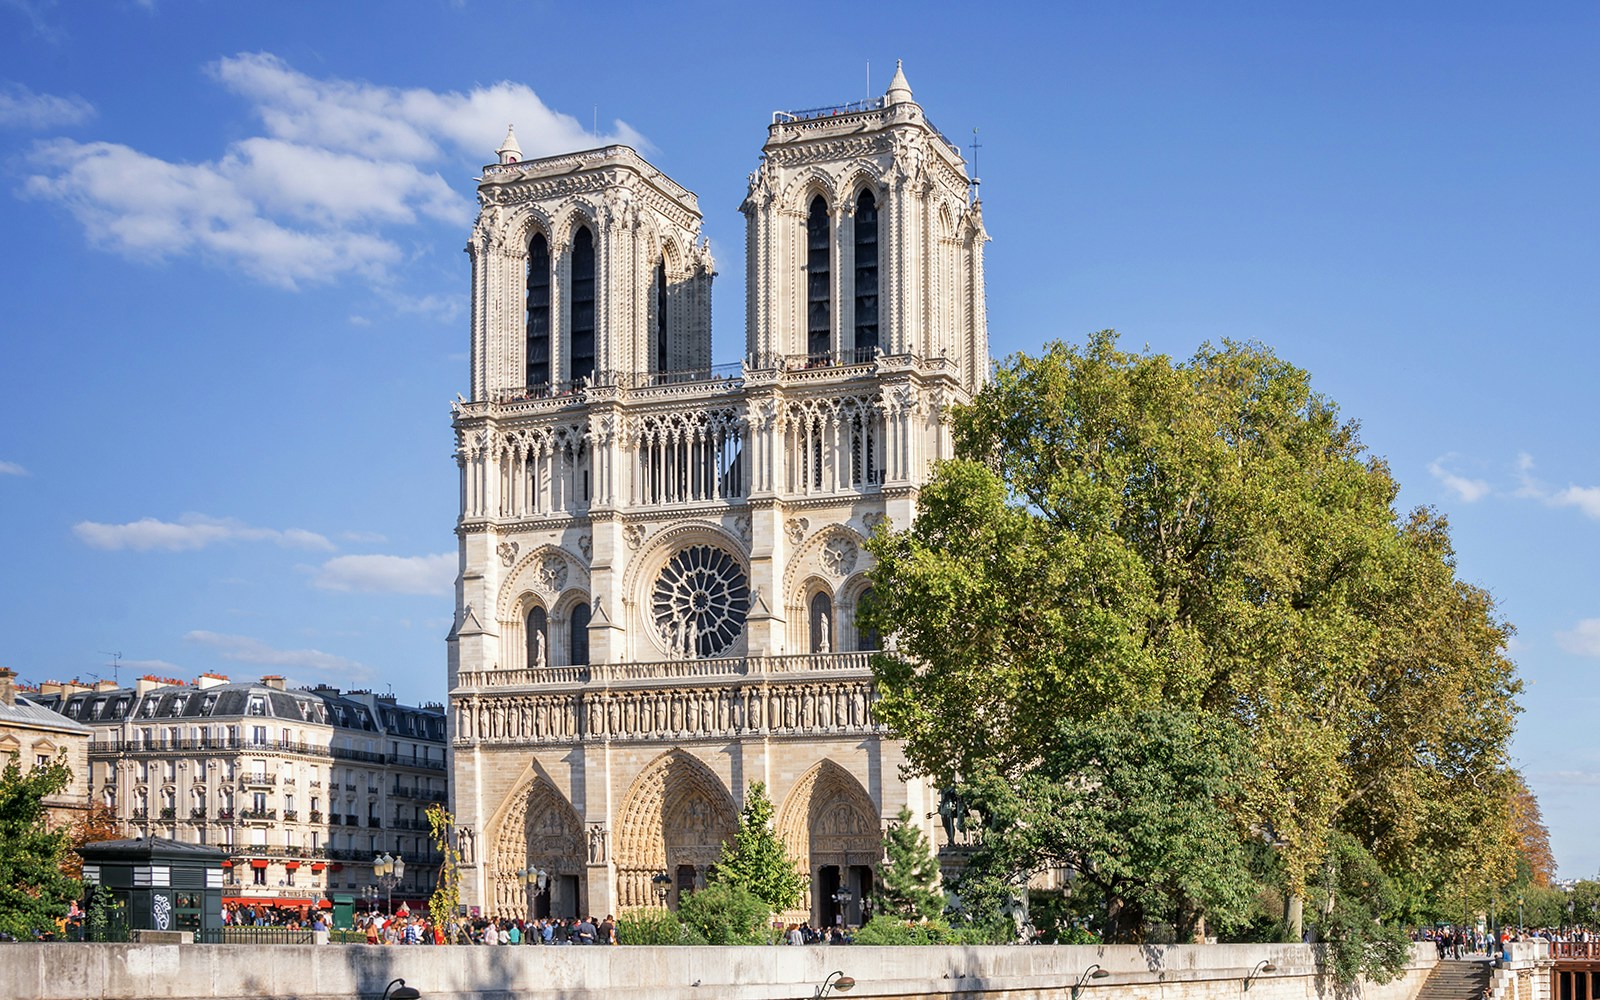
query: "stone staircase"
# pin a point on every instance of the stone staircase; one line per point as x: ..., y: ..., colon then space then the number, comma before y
x: 1466, y: 979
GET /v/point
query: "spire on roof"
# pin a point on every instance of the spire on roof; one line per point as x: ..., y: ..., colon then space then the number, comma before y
x: 899, y: 91
x: 509, y: 151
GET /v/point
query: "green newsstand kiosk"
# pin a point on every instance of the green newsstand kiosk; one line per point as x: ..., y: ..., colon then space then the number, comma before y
x: 165, y: 885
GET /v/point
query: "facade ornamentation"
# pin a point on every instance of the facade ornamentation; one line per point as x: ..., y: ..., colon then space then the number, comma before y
x: 683, y: 615
x: 508, y: 553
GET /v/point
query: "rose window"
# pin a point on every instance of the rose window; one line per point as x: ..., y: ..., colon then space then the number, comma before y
x: 699, y: 602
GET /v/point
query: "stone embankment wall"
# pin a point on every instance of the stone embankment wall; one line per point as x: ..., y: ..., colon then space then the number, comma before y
x: 312, y: 972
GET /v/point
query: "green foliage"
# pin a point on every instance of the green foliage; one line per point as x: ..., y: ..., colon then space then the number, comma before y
x: 1350, y: 907
x: 726, y: 913
x: 757, y: 861
x: 1120, y: 532
x: 908, y: 877
x: 445, y: 902
x: 34, y: 889
x: 105, y: 916
x: 653, y: 925
x: 883, y: 929
x: 1141, y: 805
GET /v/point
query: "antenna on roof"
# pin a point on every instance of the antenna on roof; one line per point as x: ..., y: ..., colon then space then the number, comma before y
x: 868, y: 94
x: 973, y: 184
x: 116, y: 666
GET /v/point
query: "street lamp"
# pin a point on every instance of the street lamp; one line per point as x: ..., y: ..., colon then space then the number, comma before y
x: 537, y: 881
x: 837, y: 982
x: 400, y: 991
x: 369, y: 893
x: 843, y: 897
x: 388, y: 871
x: 1092, y: 972
x: 663, y: 885
x: 1262, y: 967
x: 1519, y: 914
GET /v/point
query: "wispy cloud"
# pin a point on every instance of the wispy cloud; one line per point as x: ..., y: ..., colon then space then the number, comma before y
x: 1568, y: 777
x: 389, y: 574
x: 188, y: 533
x: 162, y: 667
x: 12, y: 469
x: 34, y: 12
x: 342, y: 165
x: 1582, y: 639
x: 246, y: 649
x: 21, y: 107
x: 1466, y: 490
x: 1529, y: 487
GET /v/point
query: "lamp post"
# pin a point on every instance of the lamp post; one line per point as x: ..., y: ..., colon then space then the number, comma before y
x: 663, y: 886
x: 843, y: 897
x: 369, y: 893
x: 388, y: 871
x: 1519, y: 914
x: 1092, y: 972
x: 837, y: 982
x: 537, y: 881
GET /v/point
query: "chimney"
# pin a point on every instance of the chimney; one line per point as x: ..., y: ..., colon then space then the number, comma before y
x: 147, y: 683
x: 210, y: 681
x: 273, y: 681
x: 73, y: 687
x: 105, y: 685
x: 8, y: 686
x: 49, y: 687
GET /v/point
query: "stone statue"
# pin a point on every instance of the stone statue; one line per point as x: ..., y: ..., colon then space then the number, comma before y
x: 540, y: 659
x: 597, y: 845
x: 464, y: 844
x: 825, y: 628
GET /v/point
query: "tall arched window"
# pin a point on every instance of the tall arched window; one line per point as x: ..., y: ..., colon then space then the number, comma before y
x: 866, y: 638
x: 821, y: 623
x: 578, y: 639
x: 582, y: 306
x: 538, y: 350
x: 537, y: 636
x: 659, y: 334
x: 866, y: 276
x: 819, y: 290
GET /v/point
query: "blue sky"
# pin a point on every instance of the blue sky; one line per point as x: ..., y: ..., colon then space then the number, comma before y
x: 234, y: 294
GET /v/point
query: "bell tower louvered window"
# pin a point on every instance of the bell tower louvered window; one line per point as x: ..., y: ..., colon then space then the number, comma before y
x: 538, y: 347
x: 819, y: 291
x: 866, y: 341
x: 659, y: 334
x: 583, y: 305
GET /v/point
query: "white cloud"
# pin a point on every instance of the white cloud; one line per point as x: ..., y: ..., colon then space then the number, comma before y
x: 1583, y: 639
x: 343, y: 163
x: 244, y: 649
x: 1528, y: 487
x: 1466, y: 490
x: 188, y: 533
x: 22, y: 108
x: 1585, y: 498
x: 389, y: 574
x: 12, y: 469
x: 161, y: 667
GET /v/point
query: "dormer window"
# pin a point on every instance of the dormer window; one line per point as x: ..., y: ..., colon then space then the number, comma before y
x: 258, y: 704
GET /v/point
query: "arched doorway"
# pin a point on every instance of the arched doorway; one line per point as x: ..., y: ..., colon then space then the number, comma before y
x: 539, y: 829
x: 675, y: 820
x: 830, y: 823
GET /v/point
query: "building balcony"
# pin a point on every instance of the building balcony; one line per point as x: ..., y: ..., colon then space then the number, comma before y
x: 315, y: 816
x: 197, y: 815
x: 168, y: 812
x: 291, y: 815
x: 258, y: 815
x: 375, y: 823
x: 259, y: 781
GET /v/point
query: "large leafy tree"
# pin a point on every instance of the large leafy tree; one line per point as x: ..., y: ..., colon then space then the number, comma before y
x: 34, y: 888
x: 757, y: 860
x: 1119, y: 531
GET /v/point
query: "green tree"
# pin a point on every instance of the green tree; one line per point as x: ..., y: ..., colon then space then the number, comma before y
x: 1119, y: 531
x: 34, y: 888
x: 908, y: 876
x: 1143, y: 806
x: 445, y: 902
x: 757, y: 860
x: 726, y: 913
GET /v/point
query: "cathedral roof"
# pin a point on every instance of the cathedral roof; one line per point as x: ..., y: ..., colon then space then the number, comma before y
x: 509, y: 145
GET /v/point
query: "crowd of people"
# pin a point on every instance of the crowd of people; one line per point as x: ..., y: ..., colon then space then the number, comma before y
x: 1468, y: 942
x: 416, y: 928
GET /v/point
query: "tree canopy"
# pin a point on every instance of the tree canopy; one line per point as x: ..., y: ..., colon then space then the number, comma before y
x: 34, y: 887
x: 908, y: 876
x: 1120, y: 534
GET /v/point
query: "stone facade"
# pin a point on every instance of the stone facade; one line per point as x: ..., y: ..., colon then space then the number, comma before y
x: 662, y: 559
x: 36, y: 736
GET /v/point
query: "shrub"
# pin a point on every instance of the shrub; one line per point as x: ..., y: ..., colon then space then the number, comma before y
x: 724, y: 913
x: 652, y: 925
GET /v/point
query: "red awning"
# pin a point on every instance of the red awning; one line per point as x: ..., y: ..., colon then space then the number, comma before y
x: 326, y: 904
x: 227, y: 864
x: 258, y: 863
x: 317, y: 866
x: 291, y: 865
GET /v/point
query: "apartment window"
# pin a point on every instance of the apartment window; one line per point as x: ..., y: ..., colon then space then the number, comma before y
x: 260, y: 875
x: 258, y: 705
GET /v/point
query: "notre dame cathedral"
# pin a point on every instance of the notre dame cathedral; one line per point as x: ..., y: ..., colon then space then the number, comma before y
x: 661, y: 558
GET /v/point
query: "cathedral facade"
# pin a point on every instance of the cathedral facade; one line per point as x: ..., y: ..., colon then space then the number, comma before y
x: 662, y: 559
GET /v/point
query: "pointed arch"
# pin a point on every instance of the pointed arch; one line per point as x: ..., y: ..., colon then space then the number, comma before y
x: 675, y: 818
x: 829, y: 820
x: 535, y: 827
